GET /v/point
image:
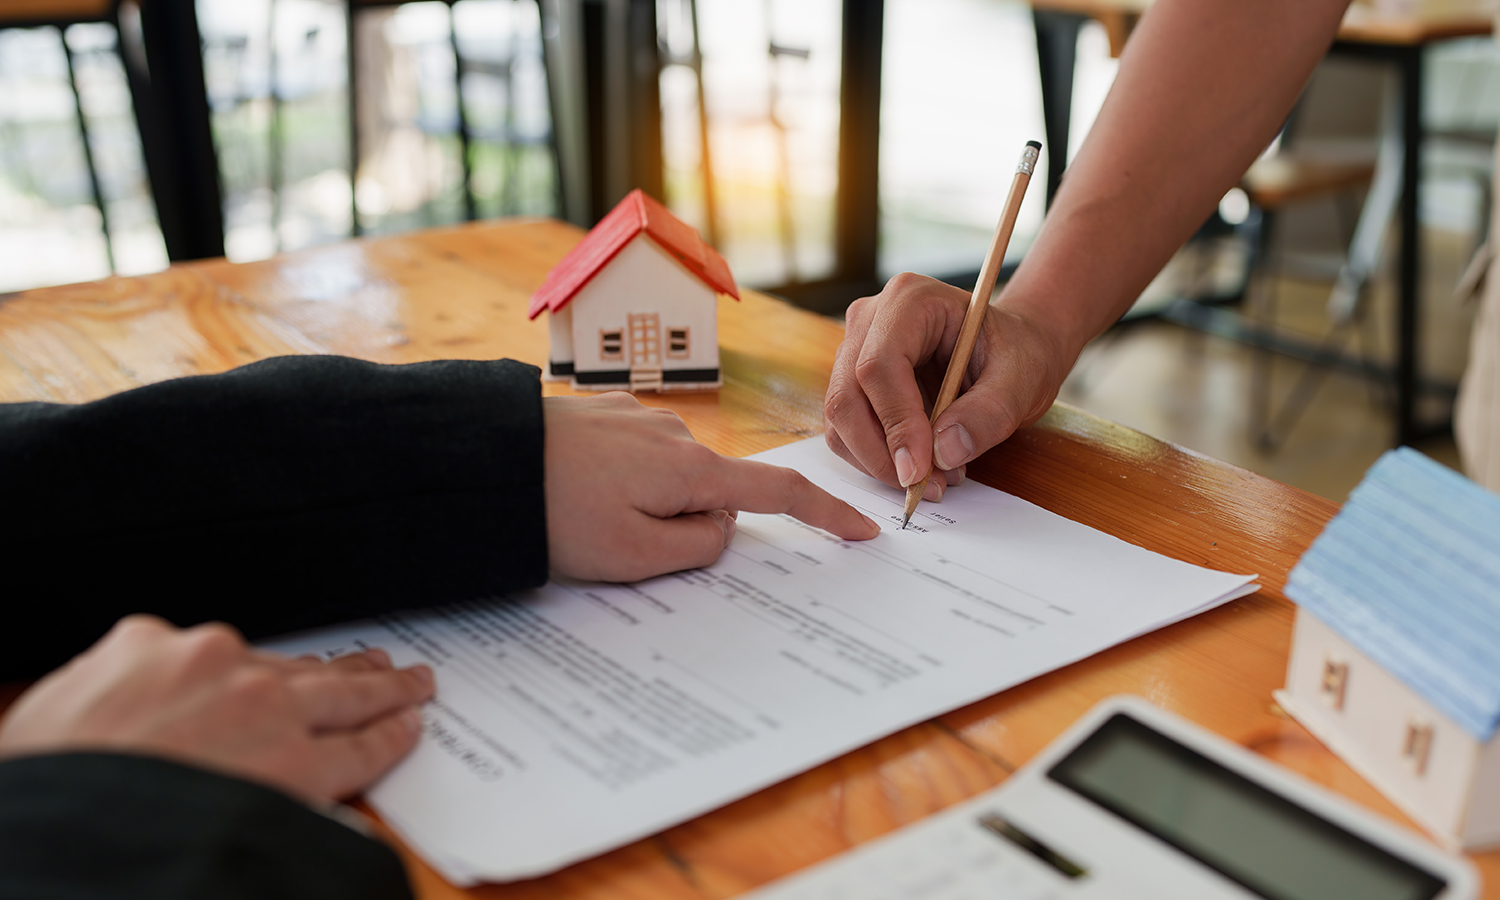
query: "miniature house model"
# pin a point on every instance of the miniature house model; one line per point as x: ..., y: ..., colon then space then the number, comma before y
x: 634, y: 306
x: 1395, y: 661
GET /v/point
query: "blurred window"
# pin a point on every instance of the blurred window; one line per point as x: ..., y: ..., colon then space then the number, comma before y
x: 771, y: 73
x: 51, y: 229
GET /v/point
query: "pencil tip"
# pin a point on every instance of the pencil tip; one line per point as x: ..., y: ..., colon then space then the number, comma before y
x: 905, y: 520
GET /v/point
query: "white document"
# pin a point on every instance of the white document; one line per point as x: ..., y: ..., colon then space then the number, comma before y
x: 579, y: 717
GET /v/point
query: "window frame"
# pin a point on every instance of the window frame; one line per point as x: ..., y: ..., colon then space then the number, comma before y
x: 608, y: 336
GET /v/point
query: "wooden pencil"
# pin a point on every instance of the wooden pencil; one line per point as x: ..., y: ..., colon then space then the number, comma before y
x: 979, y: 301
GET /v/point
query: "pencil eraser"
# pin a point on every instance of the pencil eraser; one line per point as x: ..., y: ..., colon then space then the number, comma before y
x: 1036, y: 144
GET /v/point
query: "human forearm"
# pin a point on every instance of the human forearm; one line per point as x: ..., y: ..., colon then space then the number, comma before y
x: 1202, y: 89
x: 301, y: 491
x: 287, y: 494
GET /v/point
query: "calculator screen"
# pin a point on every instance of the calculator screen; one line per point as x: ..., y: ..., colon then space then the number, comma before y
x: 1248, y: 833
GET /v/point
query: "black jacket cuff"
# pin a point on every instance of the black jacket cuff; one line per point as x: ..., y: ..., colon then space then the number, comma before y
x: 95, y: 826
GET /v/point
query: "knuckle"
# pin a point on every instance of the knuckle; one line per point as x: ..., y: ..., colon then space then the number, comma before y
x: 213, y: 642
x: 670, y: 418
x: 257, y: 687
x: 869, y: 369
x: 905, y: 282
x: 697, y: 456
x: 619, y: 398
x: 141, y: 623
x: 860, y: 309
x: 837, y: 402
x: 137, y: 630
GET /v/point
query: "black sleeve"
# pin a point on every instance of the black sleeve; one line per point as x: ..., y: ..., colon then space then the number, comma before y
x: 91, y: 826
x: 286, y: 494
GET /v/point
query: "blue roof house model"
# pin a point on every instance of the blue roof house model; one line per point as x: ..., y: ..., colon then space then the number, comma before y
x: 1396, y: 657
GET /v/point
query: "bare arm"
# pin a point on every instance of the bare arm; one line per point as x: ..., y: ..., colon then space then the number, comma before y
x: 1203, y: 87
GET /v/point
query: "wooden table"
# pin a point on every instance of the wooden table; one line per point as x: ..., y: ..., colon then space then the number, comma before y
x: 463, y: 292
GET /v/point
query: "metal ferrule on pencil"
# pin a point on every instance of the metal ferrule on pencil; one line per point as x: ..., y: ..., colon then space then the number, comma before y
x: 1027, y: 165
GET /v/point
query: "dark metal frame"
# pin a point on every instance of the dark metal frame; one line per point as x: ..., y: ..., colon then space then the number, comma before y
x: 1056, y: 57
x: 164, y: 69
x: 88, y: 151
x: 1409, y: 63
x: 171, y: 107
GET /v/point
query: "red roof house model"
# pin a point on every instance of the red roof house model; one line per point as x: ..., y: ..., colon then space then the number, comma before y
x: 635, y: 214
x: 633, y: 306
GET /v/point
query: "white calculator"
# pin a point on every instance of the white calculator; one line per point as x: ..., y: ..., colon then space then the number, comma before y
x: 1134, y: 802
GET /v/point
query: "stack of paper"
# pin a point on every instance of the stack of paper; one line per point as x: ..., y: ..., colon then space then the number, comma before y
x: 580, y: 717
x: 1409, y: 573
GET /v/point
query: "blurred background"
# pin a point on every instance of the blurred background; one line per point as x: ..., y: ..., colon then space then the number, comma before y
x: 821, y: 145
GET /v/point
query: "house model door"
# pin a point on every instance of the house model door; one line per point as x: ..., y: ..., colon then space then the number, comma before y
x: 645, y: 351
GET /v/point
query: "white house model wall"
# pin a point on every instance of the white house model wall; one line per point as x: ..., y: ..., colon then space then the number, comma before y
x: 593, y: 330
x: 1364, y: 713
x: 1395, y: 661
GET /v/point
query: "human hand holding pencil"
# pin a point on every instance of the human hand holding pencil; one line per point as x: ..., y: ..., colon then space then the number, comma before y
x: 918, y: 330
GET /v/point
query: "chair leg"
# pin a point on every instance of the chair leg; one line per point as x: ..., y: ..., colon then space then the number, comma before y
x: 274, y: 136
x: 88, y: 151
x: 1260, y: 300
x: 471, y: 206
x: 510, y: 149
x: 1296, y: 403
x: 352, y: 79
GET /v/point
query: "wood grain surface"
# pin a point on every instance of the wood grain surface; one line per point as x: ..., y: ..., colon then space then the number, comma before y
x: 462, y: 292
x: 15, y: 13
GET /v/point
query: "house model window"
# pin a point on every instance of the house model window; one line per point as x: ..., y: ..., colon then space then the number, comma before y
x: 611, y: 345
x: 677, y: 343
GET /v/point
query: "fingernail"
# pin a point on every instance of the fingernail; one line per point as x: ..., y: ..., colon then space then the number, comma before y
x: 934, y: 491
x: 953, y: 447
x: 412, y: 718
x: 957, y: 476
x: 730, y: 527
x: 906, y: 470
x: 874, y: 527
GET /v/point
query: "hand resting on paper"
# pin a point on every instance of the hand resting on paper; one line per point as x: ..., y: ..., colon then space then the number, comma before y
x: 630, y: 494
x: 892, y: 361
x: 201, y: 696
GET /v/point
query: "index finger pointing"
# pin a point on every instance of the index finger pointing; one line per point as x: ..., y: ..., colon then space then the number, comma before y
x: 744, y: 484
